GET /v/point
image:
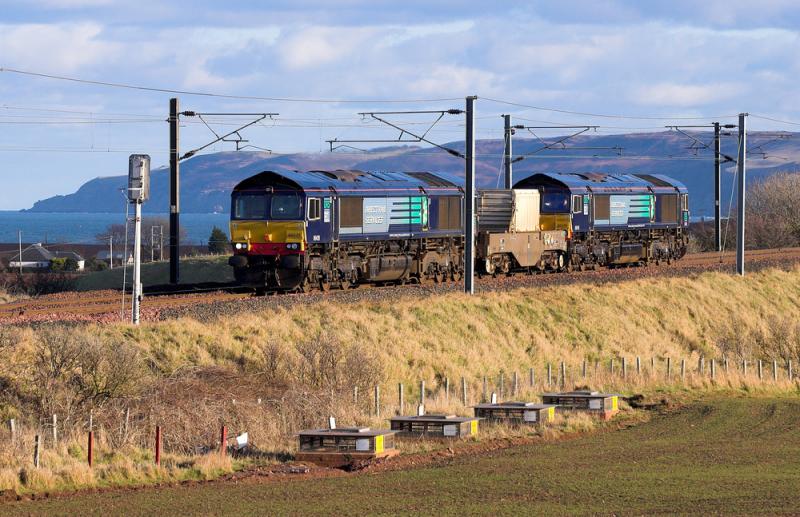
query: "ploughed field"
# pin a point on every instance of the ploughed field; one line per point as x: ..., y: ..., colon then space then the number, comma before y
x: 720, y: 456
x: 202, y: 301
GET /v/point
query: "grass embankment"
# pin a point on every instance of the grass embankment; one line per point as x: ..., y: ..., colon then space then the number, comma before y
x: 275, y: 372
x: 212, y: 268
x: 721, y: 456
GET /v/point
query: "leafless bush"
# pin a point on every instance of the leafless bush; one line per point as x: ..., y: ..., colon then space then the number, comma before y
x: 778, y: 337
x: 773, y: 212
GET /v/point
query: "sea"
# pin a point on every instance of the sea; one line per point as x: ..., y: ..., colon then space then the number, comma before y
x: 83, y: 228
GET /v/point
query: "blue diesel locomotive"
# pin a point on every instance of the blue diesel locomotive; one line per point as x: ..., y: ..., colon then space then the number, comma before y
x: 614, y: 219
x: 317, y: 229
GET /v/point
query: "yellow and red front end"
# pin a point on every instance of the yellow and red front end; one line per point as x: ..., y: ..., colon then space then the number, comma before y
x: 268, y: 236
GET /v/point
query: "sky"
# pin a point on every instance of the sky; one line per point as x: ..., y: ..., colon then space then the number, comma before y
x: 659, y: 60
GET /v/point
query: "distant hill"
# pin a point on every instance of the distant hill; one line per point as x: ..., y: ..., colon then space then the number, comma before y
x: 206, y: 180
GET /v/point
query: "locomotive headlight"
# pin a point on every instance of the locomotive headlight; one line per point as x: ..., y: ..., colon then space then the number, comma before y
x: 293, y: 246
x: 240, y: 245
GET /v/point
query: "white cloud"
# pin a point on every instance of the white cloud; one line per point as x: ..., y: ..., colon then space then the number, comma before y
x: 55, y: 48
x: 685, y: 95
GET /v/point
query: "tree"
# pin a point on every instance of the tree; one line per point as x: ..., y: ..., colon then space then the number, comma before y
x: 70, y: 264
x: 773, y: 212
x: 218, y: 242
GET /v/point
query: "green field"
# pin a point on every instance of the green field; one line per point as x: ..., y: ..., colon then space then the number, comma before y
x: 213, y: 268
x: 722, y: 456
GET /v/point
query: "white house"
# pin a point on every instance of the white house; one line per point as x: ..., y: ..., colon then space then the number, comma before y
x: 38, y: 257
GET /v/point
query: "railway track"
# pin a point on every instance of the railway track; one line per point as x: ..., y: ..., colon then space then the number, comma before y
x: 107, y: 306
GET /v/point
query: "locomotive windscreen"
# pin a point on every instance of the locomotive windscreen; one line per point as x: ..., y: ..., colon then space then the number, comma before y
x: 285, y: 207
x: 250, y: 206
x: 555, y: 203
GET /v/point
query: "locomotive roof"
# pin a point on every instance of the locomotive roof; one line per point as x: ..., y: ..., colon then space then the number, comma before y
x: 348, y: 180
x: 598, y: 181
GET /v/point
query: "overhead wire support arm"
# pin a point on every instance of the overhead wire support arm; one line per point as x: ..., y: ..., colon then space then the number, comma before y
x: 414, y: 137
x: 224, y: 138
x: 552, y: 145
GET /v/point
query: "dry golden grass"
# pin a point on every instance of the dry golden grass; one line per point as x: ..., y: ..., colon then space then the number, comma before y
x: 275, y: 372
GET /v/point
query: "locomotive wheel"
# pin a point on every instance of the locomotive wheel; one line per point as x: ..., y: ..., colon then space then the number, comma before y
x: 489, y: 266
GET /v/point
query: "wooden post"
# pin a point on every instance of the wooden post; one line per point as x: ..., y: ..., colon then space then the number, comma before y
x: 422, y: 393
x: 624, y: 368
x: 464, y: 391
x: 713, y: 369
x: 789, y: 369
x: 775, y: 370
x: 760, y: 370
x: 12, y: 424
x: 669, y: 369
x: 90, y: 448
x: 127, y: 420
x: 223, y: 440
x: 611, y: 367
x: 158, y: 446
x: 400, y: 401
x: 502, y: 386
x: 377, y: 401
x: 355, y: 396
x: 744, y: 367
x: 653, y: 365
x: 725, y: 364
x: 638, y: 365
x: 701, y: 365
x: 447, y: 389
x: 549, y: 375
x: 485, y: 390
x: 55, y: 429
x: 583, y: 370
x: 683, y: 369
x: 515, y: 387
x: 91, y: 420
x: 531, y: 377
x: 36, y: 445
x: 563, y: 375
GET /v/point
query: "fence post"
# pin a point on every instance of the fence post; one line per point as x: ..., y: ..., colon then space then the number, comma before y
x: 653, y: 365
x: 485, y: 391
x: 55, y: 429
x: 744, y: 367
x: 638, y: 365
x: 422, y: 393
x: 669, y: 369
x: 584, y: 368
x: 760, y: 370
x: 158, y: 445
x: 701, y: 366
x: 90, y: 448
x: 502, y: 385
x: 713, y: 369
x: 36, y: 444
x: 789, y: 369
x: 624, y: 368
x: 725, y: 364
x: 377, y: 401
x: 400, y: 401
x: 549, y: 375
x: 223, y: 440
x: 91, y: 420
x: 683, y: 370
x: 447, y: 389
x: 775, y: 370
x: 612, y: 366
x: 515, y: 387
x: 355, y: 395
x: 563, y: 375
x: 12, y: 424
x: 464, y: 390
x: 531, y: 377
x: 127, y: 420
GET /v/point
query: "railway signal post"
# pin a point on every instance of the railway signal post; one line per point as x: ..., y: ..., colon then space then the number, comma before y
x: 138, y: 192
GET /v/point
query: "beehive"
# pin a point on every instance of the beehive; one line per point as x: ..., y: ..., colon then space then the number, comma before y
x: 338, y: 447
x: 441, y: 426
x: 601, y: 404
x: 516, y: 412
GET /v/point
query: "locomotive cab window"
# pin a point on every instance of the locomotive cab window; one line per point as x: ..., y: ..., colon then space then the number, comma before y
x: 577, y: 204
x: 314, y: 209
x: 250, y: 206
x: 555, y: 203
x: 286, y: 206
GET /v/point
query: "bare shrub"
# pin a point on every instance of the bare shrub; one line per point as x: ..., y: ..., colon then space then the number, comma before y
x: 773, y: 212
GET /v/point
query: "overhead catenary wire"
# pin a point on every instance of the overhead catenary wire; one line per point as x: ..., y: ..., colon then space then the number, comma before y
x: 218, y: 95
